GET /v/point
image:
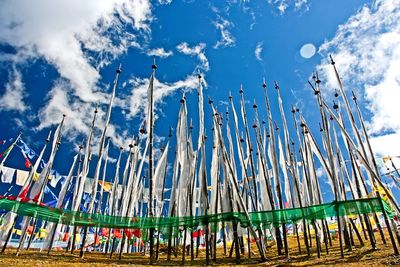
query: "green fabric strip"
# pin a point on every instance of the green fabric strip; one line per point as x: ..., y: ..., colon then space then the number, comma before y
x: 168, y: 225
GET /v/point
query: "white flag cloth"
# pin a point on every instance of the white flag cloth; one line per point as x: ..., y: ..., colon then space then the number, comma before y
x: 54, y: 180
x: 282, y: 162
x: 159, y: 175
x: 7, y: 174
x: 88, y: 185
x: 21, y: 177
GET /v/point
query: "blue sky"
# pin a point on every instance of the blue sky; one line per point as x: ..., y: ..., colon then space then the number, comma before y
x: 61, y: 58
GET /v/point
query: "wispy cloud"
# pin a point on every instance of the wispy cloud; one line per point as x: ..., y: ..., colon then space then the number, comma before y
x: 13, y: 98
x: 79, y: 116
x: 138, y: 98
x: 283, y: 5
x: 75, y: 37
x: 159, y: 52
x: 258, y: 51
x: 227, y: 39
x: 164, y: 2
x: 367, y: 53
x: 198, y: 51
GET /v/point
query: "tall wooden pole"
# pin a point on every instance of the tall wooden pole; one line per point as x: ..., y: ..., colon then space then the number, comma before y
x: 150, y: 205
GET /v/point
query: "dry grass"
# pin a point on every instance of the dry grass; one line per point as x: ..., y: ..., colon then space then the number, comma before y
x: 360, y: 256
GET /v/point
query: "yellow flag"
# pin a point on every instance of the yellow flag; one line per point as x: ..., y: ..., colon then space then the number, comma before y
x: 106, y: 185
x: 387, y: 158
x: 36, y: 177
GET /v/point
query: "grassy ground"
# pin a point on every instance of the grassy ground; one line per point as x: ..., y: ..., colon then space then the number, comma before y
x: 360, y: 256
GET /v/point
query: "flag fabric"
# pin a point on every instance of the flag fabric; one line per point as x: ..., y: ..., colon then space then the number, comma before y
x: 7, y: 174
x: 159, y: 177
x: 5, y: 153
x: 55, y: 178
x: 21, y: 177
x: 88, y: 185
x: 27, y: 151
x: 28, y: 164
x: 107, y: 186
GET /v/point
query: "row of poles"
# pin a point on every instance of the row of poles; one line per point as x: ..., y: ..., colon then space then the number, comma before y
x: 260, y: 187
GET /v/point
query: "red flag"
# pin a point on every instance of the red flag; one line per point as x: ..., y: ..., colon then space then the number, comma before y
x: 104, y: 232
x: 28, y: 164
x: 197, y: 233
x: 65, y: 237
x: 24, y: 193
x: 117, y: 233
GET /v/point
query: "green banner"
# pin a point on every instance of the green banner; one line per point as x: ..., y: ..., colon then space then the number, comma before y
x: 168, y: 224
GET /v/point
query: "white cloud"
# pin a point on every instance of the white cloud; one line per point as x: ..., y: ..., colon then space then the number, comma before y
x: 198, y: 51
x: 159, y: 52
x: 283, y: 5
x: 79, y: 116
x: 366, y: 50
x: 164, y: 2
x: 227, y: 39
x: 258, y: 51
x: 63, y: 32
x: 299, y: 4
x: 13, y: 98
x: 138, y: 99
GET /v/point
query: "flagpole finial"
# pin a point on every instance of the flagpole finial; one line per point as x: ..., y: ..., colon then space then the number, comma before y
x: 119, y: 70
x: 170, y: 132
x: 154, y: 66
x: 254, y: 104
x: 264, y: 85
x: 142, y: 129
x: 120, y: 148
x: 254, y: 125
x: 230, y: 96
x: 293, y: 109
x: 318, y: 81
x: 210, y: 101
x: 276, y: 85
x: 276, y: 126
x: 241, y: 89
x: 332, y: 62
x: 48, y: 137
x: 316, y: 92
x: 335, y: 106
x: 354, y: 96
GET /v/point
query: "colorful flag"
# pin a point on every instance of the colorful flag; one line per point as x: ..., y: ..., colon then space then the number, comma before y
x: 26, y: 150
x: 6, y: 151
x: 28, y: 164
x: 7, y: 174
x: 21, y: 177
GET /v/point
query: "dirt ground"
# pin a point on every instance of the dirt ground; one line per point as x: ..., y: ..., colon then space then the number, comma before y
x: 359, y: 256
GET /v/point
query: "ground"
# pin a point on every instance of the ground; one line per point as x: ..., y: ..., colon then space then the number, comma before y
x: 360, y: 256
